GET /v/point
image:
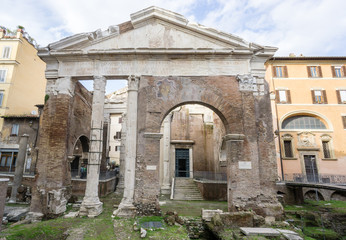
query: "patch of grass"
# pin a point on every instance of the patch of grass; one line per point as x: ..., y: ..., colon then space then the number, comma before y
x: 150, y: 219
x: 318, y: 233
x: 192, y: 208
x: 40, y: 231
x: 336, y: 206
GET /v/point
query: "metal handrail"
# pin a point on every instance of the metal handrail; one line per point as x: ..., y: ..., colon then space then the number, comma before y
x: 172, y: 188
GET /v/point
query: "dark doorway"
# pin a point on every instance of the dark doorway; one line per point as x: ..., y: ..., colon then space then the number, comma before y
x: 311, y: 168
x: 182, y: 162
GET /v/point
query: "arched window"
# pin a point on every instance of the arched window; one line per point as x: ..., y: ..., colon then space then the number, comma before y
x: 303, y: 122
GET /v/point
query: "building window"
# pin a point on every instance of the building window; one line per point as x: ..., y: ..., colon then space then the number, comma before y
x: 319, y: 96
x: 6, y: 52
x: 288, y: 148
x: 15, y: 129
x: 117, y: 135
x: 2, y: 75
x: 338, y: 71
x: 344, y: 121
x: 117, y: 148
x: 283, y: 96
x: 314, y: 71
x: 303, y: 122
x: 1, y: 98
x: 280, y: 71
x: 327, y: 146
x: 120, y: 120
x: 326, y: 149
x: 341, y: 95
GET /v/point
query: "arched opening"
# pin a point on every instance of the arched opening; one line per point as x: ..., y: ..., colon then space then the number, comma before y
x: 303, y: 122
x: 311, y: 195
x: 338, y: 196
x: 193, y: 150
x: 80, y: 157
x: 305, y: 119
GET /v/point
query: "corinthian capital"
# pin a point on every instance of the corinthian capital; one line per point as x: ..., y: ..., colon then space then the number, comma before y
x: 133, y: 83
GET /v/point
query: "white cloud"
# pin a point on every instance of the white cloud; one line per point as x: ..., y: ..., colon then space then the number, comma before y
x: 311, y: 27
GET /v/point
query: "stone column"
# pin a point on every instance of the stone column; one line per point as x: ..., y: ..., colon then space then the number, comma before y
x: 18, y: 175
x: 166, y: 188
x: 91, y: 205
x: 3, y: 192
x: 126, y: 207
x: 120, y: 186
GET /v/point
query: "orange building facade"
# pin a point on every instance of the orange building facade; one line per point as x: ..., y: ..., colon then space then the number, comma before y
x: 308, y: 96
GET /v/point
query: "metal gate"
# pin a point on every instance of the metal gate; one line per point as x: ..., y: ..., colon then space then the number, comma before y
x: 182, y: 162
x: 311, y: 168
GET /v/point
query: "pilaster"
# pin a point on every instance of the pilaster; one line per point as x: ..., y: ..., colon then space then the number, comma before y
x: 166, y: 187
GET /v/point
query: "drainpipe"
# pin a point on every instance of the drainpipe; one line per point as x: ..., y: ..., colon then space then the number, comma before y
x: 277, y: 132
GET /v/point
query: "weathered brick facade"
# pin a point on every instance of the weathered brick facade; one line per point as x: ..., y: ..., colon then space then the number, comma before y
x: 241, y: 113
x: 64, y: 119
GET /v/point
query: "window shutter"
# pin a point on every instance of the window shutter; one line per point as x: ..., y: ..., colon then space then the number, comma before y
x: 338, y: 96
x: 288, y: 96
x: 324, y: 94
x: 313, y: 96
x: 343, y: 69
x: 274, y: 71
x: 2, y: 96
x: 344, y: 121
x: 285, y: 72
x: 277, y: 96
x: 309, y: 71
x: 333, y: 71
x: 319, y: 71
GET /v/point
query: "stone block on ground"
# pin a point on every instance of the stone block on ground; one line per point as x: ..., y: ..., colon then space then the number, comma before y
x: 237, y: 219
x: 17, y: 214
x: 267, y: 232
x: 71, y: 215
x: 208, y: 214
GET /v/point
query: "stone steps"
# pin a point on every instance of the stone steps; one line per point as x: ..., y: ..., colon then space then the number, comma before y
x: 186, y: 189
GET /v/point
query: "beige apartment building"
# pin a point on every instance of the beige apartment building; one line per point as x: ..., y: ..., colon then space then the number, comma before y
x: 309, y: 112
x: 22, y: 86
x: 22, y: 80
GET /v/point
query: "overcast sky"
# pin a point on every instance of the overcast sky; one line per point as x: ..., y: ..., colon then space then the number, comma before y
x: 308, y: 27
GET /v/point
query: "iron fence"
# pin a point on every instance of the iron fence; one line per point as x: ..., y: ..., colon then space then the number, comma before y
x: 104, y: 175
x: 211, y: 176
x: 317, y: 178
x: 26, y: 173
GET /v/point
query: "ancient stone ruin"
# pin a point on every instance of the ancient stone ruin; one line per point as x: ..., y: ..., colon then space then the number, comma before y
x: 169, y: 62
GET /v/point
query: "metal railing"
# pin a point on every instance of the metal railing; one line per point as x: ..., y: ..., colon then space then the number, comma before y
x: 26, y: 173
x: 211, y: 176
x: 318, y: 178
x: 104, y: 175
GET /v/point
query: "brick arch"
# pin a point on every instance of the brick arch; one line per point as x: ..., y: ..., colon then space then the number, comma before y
x: 162, y: 94
x: 220, y: 115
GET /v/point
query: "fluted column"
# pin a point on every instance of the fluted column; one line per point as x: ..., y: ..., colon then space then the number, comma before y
x: 91, y: 205
x: 166, y: 188
x: 126, y: 207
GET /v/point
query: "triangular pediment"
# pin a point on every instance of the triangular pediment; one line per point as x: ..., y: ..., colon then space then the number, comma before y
x: 154, y: 28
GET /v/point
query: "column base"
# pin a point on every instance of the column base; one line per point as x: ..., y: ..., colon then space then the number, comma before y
x: 262, y: 208
x: 34, y: 216
x: 90, y: 209
x: 166, y: 190
x: 125, y: 210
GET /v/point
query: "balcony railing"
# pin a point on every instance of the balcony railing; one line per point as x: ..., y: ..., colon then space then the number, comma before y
x: 317, y: 178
